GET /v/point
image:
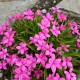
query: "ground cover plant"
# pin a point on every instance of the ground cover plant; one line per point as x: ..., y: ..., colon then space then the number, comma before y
x: 36, y: 46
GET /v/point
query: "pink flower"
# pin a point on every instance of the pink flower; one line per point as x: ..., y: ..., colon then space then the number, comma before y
x: 72, y: 24
x: 41, y: 58
x: 41, y: 46
x: 49, y: 49
x: 62, y: 16
x: 22, y: 49
x: 22, y: 63
x: 45, y: 31
x: 58, y: 50
x: 78, y: 44
x: 67, y: 62
x: 59, y: 78
x: 45, y: 23
x: 31, y: 62
x: 8, y: 38
x: 38, y: 38
x: 48, y: 16
x: 56, y: 9
x: 21, y: 75
x: 3, y: 65
x: 55, y: 23
x: 78, y: 40
x: 62, y: 27
x: 16, y: 17
x: 39, y: 13
x: 54, y: 63
x: 3, y: 53
x: 51, y: 77
x: 74, y: 30
x: 28, y: 14
x: 38, y: 73
x: 5, y: 25
x: 70, y: 75
x: 12, y: 59
x: 65, y: 47
x: 2, y: 30
x: 55, y: 31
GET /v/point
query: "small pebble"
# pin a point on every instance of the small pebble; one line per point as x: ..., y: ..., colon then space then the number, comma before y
x: 1, y: 75
x: 54, y: 1
x: 44, y: 10
x: 46, y: 2
x: 6, y: 79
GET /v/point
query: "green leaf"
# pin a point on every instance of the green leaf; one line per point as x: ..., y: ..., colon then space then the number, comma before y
x: 32, y: 47
x: 61, y: 72
x: 45, y: 74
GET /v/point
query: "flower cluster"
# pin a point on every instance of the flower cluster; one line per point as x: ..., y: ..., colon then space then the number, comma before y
x: 40, y: 46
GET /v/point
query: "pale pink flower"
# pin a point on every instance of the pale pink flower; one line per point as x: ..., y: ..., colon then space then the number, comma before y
x: 55, y: 31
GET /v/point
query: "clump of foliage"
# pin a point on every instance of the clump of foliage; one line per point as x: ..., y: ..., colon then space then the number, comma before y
x: 36, y: 46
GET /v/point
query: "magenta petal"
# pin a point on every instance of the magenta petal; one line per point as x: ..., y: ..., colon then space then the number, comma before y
x: 69, y: 64
x: 72, y: 74
x: 18, y: 63
x: 18, y: 47
x: 22, y: 51
x: 62, y: 79
x: 48, y: 65
x: 23, y: 68
x: 53, y: 68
